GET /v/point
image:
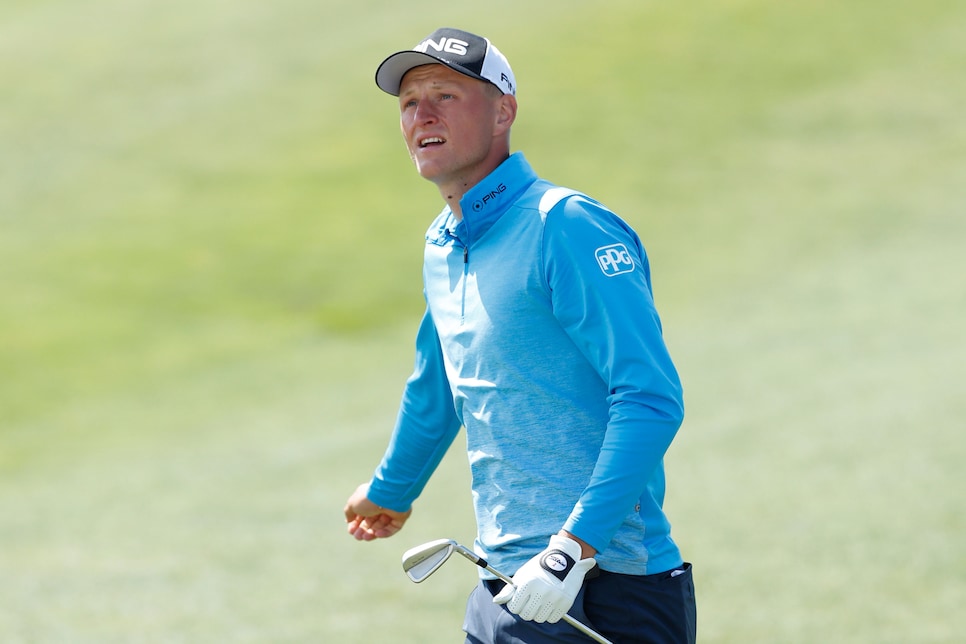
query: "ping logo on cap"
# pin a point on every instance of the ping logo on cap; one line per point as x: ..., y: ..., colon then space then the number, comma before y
x: 614, y: 259
x: 449, y: 45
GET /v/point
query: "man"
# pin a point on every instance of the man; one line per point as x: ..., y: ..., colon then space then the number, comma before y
x: 540, y: 337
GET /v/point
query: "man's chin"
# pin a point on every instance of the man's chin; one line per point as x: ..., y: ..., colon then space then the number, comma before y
x: 428, y: 171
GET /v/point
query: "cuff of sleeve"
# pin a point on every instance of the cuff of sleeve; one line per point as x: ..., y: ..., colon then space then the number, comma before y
x: 386, y: 500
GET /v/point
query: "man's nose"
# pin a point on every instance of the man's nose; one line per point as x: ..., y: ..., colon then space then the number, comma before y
x: 425, y: 112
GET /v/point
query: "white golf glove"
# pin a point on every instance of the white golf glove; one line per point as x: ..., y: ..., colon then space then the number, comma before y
x: 545, y: 587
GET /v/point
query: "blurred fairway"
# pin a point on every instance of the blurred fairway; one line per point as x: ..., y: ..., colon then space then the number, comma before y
x: 210, y: 239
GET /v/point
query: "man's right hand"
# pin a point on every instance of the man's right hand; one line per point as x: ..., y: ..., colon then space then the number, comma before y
x: 367, y: 521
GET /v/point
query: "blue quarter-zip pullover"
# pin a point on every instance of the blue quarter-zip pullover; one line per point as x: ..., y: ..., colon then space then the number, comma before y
x: 541, y: 338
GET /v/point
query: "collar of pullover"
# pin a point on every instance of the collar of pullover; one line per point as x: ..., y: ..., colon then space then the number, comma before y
x: 488, y: 200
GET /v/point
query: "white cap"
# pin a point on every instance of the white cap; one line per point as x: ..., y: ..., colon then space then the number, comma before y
x: 459, y: 50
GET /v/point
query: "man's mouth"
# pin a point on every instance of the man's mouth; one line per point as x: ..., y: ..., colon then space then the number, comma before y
x: 430, y: 140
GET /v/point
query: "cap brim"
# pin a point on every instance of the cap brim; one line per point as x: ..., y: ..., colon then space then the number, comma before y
x: 390, y: 73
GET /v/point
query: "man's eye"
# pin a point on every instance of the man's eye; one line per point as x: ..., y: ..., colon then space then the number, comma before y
x: 446, y: 97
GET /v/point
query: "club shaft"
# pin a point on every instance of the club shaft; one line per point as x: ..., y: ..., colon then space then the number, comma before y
x: 576, y: 623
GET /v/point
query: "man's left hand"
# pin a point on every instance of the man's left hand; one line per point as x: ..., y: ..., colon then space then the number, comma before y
x: 545, y: 587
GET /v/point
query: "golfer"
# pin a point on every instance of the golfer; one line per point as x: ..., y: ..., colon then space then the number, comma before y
x: 541, y: 339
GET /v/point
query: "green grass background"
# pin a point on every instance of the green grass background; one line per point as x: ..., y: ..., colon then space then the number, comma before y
x: 210, y: 238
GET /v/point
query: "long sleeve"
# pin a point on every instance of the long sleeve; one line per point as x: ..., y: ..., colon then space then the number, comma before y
x: 599, y: 277
x: 425, y: 427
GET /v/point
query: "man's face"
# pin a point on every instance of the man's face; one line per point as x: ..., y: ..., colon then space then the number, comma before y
x: 451, y: 124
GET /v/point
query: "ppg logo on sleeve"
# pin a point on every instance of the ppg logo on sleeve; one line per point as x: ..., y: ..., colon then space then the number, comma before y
x: 614, y: 259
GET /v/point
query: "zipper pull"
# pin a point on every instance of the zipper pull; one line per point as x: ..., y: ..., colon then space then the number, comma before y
x: 466, y: 254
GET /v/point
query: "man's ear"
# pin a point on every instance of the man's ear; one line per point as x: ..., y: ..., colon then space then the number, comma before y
x: 506, y: 112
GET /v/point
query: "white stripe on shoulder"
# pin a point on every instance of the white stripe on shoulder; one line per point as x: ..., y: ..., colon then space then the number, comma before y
x: 553, y: 196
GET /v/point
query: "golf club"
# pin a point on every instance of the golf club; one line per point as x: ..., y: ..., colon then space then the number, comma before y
x: 422, y: 561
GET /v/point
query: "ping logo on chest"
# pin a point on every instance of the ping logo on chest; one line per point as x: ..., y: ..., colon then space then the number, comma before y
x: 614, y: 259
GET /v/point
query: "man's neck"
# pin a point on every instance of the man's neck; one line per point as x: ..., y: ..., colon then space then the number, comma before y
x: 452, y: 195
x: 452, y: 191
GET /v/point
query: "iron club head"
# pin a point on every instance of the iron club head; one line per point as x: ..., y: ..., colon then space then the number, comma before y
x: 422, y: 561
